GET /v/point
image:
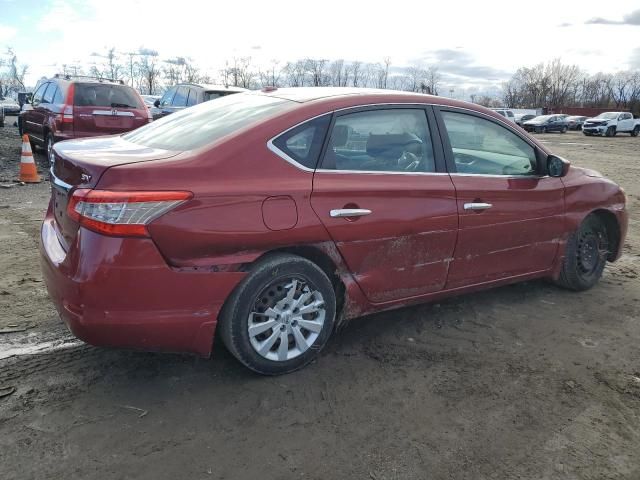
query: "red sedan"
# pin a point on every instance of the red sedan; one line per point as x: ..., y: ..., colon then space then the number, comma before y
x: 270, y: 217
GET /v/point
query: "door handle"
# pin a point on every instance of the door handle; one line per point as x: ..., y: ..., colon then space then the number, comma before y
x: 349, y: 212
x: 477, y: 206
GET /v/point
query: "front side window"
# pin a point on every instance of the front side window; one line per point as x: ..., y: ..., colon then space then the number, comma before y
x: 48, y: 95
x: 37, y: 97
x: 390, y: 140
x: 180, y: 100
x: 167, y: 98
x: 58, y: 98
x: 303, y: 143
x: 483, y: 147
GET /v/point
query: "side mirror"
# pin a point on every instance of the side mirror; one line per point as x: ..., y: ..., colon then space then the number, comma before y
x: 157, y: 103
x: 557, y: 167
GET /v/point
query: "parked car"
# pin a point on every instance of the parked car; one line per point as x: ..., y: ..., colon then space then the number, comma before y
x: 149, y: 100
x: 186, y: 95
x: 576, y: 122
x: 10, y: 106
x: 546, y: 123
x: 270, y: 217
x: 611, y: 123
x: 506, y: 113
x: 65, y: 107
x: 524, y: 117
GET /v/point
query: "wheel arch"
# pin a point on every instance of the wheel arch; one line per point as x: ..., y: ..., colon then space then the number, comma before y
x: 612, y: 226
x: 322, y: 259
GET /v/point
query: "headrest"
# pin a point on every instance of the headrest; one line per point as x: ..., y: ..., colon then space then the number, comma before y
x: 339, y: 136
x: 390, y: 144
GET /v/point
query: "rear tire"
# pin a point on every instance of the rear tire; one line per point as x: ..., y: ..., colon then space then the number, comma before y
x: 635, y: 131
x: 564, y: 130
x: 585, y: 255
x: 266, y: 310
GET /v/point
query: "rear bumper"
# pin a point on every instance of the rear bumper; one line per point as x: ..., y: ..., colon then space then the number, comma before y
x: 119, y: 292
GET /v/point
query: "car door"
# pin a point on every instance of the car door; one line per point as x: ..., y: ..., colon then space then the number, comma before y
x: 33, y: 118
x: 383, y: 195
x: 165, y: 104
x: 625, y: 122
x: 511, y: 214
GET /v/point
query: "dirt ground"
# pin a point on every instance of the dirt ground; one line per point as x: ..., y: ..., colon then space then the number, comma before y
x: 522, y: 382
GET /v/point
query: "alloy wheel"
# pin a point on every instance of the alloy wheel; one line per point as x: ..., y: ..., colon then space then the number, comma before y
x: 287, y: 318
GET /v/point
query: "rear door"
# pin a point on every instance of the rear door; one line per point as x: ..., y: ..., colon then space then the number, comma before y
x: 511, y: 213
x: 382, y: 193
x: 106, y: 109
x: 625, y: 122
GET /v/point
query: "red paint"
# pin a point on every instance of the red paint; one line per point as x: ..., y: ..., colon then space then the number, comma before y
x: 419, y: 244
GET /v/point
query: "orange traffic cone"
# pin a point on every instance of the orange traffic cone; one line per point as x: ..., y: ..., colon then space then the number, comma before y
x: 28, y: 170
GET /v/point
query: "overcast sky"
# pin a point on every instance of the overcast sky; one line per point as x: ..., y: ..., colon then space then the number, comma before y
x: 478, y: 43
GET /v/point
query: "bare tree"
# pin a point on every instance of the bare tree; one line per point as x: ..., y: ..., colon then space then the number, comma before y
x: 270, y: 77
x: 12, y: 73
x: 149, y: 71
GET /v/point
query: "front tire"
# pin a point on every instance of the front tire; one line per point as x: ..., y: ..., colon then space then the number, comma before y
x: 585, y: 255
x: 611, y: 132
x: 280, y: 316
x: 564, y: 130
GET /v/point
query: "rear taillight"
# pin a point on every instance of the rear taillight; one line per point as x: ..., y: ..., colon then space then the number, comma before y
x: 66, y: 116
x: 125, y: 214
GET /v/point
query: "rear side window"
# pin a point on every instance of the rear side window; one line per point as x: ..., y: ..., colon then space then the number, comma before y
x: 207, y: 122
x: 213, y: 95
x: 304, y: 142
x: 389, y: 140
x: 193, y: 97
x: 58, y: 97
x: 167, y: 98
x: 105, y: 95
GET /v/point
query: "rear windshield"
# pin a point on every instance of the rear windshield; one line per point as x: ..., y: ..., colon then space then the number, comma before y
x: 105, y: 95
x: 207, y: 122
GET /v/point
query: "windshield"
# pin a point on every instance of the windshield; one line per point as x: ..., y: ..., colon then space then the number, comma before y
x: 542, y: 118
x: 207, y: 122
x: 608, y: 115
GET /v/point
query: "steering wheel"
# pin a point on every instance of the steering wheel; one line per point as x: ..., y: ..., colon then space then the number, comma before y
x: 409, y: 162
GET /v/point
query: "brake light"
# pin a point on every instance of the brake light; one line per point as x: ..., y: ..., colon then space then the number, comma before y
x: 125, y: 214
x: 67, y: 110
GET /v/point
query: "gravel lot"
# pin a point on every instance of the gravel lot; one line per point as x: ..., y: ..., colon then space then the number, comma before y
x: 526, y: 381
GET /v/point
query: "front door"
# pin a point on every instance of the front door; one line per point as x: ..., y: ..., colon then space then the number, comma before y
x: 382, y: 193
x: 511, y: 213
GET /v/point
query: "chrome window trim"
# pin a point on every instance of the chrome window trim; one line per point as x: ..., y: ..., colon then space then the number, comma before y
x: 58, y: 182
x: 298, y: 165
x: 488, y: 175
x: 378, y: 172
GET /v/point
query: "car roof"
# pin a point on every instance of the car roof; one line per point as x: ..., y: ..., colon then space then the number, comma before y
x: 210, y: 87
x: 308, y: 94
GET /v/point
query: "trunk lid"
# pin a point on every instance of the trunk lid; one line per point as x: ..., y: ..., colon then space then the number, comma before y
x: 81, y: 163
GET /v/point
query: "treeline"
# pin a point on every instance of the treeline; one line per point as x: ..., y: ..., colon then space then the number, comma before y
x: 552, y: 85
x: 146, y: 71
x: 555, y: 84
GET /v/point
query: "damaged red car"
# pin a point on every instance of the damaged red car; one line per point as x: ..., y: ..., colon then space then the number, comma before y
x: 270, y: 217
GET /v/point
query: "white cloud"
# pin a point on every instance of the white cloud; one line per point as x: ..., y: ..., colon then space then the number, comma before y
x: 7, y: 33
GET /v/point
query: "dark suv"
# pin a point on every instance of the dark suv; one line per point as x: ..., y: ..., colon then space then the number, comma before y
x: 186, y: 95
x: 65, y: 107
